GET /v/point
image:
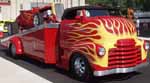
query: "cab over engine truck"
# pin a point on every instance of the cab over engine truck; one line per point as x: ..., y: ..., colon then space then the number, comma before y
x: 88, y: 40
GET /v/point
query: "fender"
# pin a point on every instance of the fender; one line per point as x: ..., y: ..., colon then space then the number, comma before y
x: 18, y: 44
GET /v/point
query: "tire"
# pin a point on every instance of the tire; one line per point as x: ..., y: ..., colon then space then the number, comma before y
x: 12, y: 51
x: 80, y: 68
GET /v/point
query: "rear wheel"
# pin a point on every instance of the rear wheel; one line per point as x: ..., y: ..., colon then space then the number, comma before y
x: 80, y: 68
x: 12, y: 51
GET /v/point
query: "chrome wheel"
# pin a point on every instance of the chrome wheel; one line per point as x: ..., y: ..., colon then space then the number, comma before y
x: 79, y: 66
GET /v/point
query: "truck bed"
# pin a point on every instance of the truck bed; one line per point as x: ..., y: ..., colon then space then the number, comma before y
x: 38, y: 42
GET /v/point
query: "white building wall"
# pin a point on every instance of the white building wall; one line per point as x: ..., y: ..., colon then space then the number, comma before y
x: 4, y: 13
x: 11, y: 11
x: 75, y: 2
x: 82, y: 2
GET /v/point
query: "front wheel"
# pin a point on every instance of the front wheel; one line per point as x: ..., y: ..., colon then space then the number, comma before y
x: 80, y: 68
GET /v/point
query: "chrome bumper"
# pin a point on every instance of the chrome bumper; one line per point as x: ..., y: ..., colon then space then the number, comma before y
x: 119, y: 70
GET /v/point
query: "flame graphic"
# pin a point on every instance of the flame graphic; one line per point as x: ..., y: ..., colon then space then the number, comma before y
x: 118, y: 26
x: 81, y: 37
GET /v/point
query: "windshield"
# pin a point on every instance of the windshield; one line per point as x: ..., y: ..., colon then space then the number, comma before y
x: 98, y: 12
x: 71, y: 14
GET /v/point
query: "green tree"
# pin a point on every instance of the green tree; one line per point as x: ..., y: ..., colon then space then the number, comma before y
x: 94, y: 2
x: 118, y: 3
x: 146, y: 5
x: 136, y: 4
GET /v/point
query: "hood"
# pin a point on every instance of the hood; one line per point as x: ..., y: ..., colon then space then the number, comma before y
x: 117, y: 25
x: 105, y: 29
x: 111, y: 29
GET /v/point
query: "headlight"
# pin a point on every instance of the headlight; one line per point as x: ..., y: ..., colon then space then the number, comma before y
x: 146, y: 45
x: 101, y: 51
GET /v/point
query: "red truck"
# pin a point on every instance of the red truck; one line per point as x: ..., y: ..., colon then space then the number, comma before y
x: 88, y: 41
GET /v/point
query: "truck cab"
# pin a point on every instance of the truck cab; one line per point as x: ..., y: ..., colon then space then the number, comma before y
x: 101, y: 38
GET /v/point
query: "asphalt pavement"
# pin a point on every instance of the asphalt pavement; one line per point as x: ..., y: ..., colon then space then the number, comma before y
x: 25, y: 70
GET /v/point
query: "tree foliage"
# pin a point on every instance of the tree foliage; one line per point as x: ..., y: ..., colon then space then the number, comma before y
x: 137, y: 4
x: 94, y: 2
